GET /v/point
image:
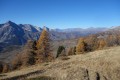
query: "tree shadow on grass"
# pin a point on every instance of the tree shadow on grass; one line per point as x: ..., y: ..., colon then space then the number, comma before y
x: 43, y: 78
x: 2, y: 75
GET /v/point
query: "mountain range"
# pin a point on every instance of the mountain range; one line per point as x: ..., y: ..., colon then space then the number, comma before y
x: 18, y: 34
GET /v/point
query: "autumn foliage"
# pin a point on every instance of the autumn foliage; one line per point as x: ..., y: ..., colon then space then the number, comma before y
x: 101, y: 43
x: 96, y: 42
x: 16, y: 62
x: 26, y: 57
x: 34, y: 52
x: 44, y: 47
x: 81, y: 46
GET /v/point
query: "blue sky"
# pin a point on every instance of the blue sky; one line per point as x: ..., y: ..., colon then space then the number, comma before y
x: 62, y: 13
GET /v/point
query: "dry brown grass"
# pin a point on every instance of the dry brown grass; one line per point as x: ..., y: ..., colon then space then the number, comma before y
x: 97, y: 65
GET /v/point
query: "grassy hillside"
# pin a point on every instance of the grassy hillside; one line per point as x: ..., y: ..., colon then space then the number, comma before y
x: 97, y: 65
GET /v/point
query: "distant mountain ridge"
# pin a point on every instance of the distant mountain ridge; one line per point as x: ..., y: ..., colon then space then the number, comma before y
x: 14, y: 34
x: 18, y: 34
x: 80, y: 29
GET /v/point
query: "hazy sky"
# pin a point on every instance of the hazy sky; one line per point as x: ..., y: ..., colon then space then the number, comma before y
x: 62, y: 13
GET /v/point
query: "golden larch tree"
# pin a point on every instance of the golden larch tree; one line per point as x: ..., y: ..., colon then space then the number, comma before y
x: 102, y: 43
x: 44, y: 47
x: 81, y: 46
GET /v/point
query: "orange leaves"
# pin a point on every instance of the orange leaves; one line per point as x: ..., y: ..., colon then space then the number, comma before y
x: 43, y: 46
x: 102, y: 43
x: 81, y: 47
x: 44, y: 38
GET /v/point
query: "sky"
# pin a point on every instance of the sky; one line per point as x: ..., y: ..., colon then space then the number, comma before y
x: 61, y: 13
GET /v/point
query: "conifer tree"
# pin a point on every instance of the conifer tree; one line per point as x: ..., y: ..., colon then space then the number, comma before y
x: 16, y: 62
x: 43, y: 46
x: 60, y: 49
x: 81, y: 46
x: 102, y: 43
x: 92, y: 42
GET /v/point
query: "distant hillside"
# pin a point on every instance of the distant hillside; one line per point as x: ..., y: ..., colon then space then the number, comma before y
x: 112, y: 33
